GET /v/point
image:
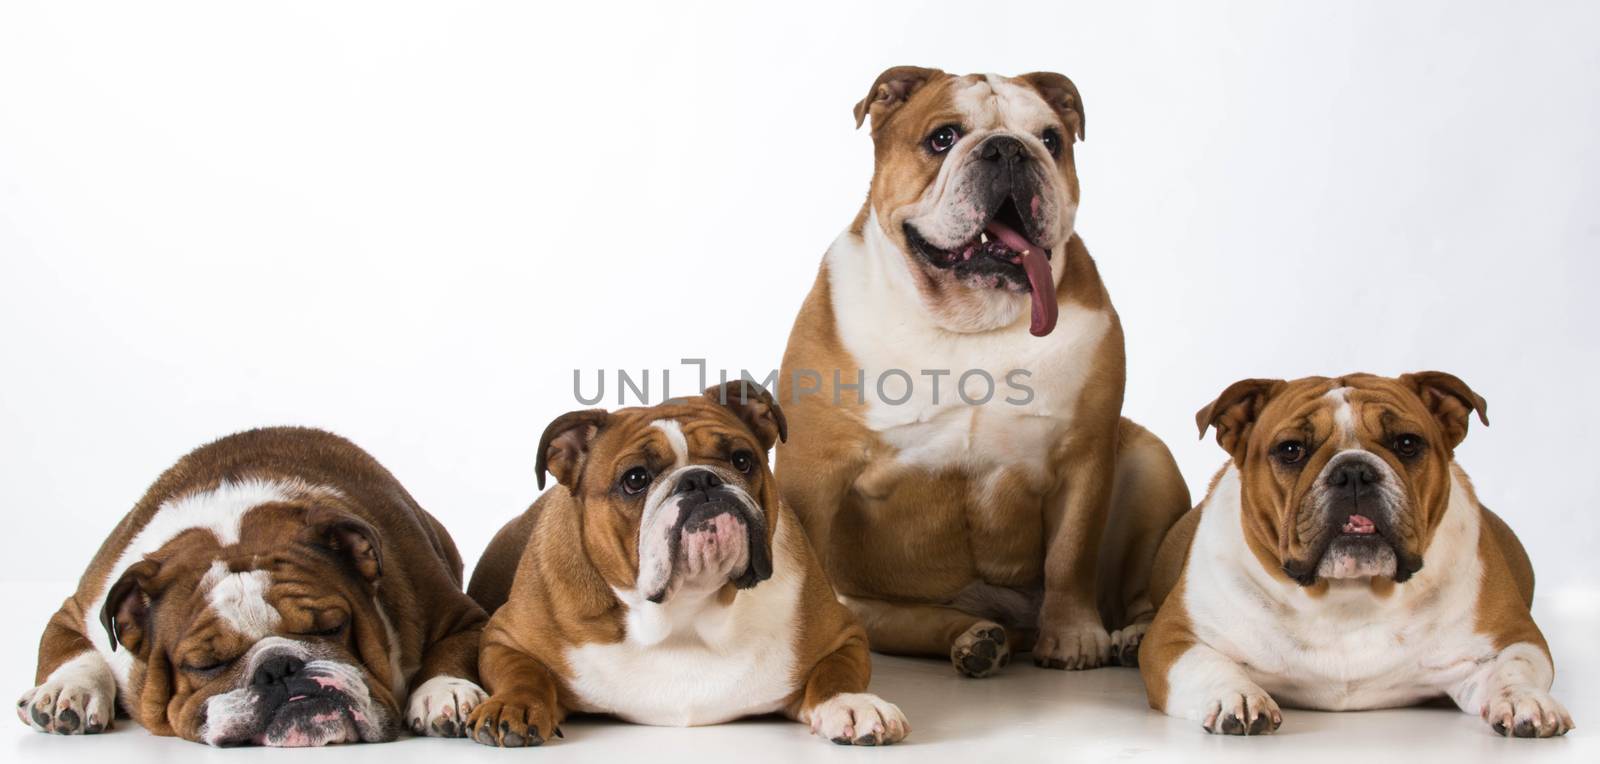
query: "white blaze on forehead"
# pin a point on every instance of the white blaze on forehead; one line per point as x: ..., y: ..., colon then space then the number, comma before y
x: 1344, y: 415
x: 240, y: 599
x: 675, y: 439
x: 994, y: 102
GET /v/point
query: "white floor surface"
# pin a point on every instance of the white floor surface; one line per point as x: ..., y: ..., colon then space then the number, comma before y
x: 1024, y: 714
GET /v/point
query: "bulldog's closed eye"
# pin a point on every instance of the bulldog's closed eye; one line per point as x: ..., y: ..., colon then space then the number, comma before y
x: 331, y: 631
x: 635, y: 480
x: 1407, y: 445
x: 206, y: 667
x: 940, y: 140
x: 743, y: 461
x: 1052, y: 141
x: 1289, y: 452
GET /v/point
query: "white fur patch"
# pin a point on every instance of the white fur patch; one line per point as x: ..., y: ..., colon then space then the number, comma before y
x: 1347, y: 649
x: 1344, y: 415
x: 220, y: 510
x: 674, y: 433
x: 692, y: 661
x: 884, y: 326
x: 240, y: 599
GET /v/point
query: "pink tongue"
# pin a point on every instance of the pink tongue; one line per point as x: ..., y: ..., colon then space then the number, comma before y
x: 1040, y: 284
x: 1359, y: 525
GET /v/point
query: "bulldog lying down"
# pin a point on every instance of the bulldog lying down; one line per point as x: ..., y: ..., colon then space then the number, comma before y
x: 1342, y: 561
x: 276, y: 587
x: 664, y: 582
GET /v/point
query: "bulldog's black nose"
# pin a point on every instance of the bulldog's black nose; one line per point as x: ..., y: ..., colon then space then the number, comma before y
x: 1001, y: 148
x: 697, y: 480
x: 276, y: 670
x: 1356, y: 472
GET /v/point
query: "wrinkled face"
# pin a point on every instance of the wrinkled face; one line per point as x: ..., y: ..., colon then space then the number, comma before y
x: 975, y: 184
x: 277, y: 640
x: 1343, y: 478
x: 677, y: 499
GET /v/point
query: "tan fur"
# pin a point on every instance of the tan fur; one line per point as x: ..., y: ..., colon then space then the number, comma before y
x: 1251, y: 415
x: 561, y: 560
x: 903, y: 542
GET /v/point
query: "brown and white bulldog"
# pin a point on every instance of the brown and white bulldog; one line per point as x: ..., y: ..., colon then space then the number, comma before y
x: 663, y: 581
x: 275, y: 587
x: 1342, y: 561
x: 955, y: 380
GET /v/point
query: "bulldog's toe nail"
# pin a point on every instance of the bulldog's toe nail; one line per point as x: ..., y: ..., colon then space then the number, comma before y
x: 867, y: 739
x: 484, y: 736
x: 1525, y: 728
x: 841, y: 740
x: 1232, y: 726
x: 559, y: 733
x: 1500, y: 728
x: 512, y: 740
x: 39, y: 716
x: 67, y: 721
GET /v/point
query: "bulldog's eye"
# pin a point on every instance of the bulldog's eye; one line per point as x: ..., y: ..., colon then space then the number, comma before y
x: 1290, y: 452
x: 940, y: 141
x: 1407, y: 445
x: 635, y: 480
x: 205, y: 667
x: 743, y: 461
x: 1052, y: 141
x: 332, y: 631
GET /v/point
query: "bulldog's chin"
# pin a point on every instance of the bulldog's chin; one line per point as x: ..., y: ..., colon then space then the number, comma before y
x: 1358, y: 557
x: 313, y: 722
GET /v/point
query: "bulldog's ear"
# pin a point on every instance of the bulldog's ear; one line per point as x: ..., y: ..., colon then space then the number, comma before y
x: 347, y: 536
x: 1062, y: 96
x: 891, y: 90
x: 126, y: 613
x: 1234, y: 412
x: 565, y: 445
x: 755, y: 407
x: 1450, y: 401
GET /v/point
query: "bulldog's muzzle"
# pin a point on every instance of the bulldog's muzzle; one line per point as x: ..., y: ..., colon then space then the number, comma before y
x: 1353, y: 523
x: 706, y: 532
x: 291, y: 697
x: 995, y: 224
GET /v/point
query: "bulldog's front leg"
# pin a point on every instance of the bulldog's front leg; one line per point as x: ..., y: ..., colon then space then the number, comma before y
x: 448, y: 692
x: 76, y: 692
x: 1512, y: 694
x: 1209, y: 687
x: 522, y: 709
x: 837, y: 706
x: 1071, y: 632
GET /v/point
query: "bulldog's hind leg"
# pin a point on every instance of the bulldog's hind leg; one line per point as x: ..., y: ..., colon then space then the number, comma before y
x: 1148, y: 497
x: 521, y: 709
x: 76, y: 692
x: 836, y: 704
x: 975, y: 646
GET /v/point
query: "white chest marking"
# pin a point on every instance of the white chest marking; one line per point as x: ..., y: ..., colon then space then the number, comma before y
x: 884, y: 327
x: 693, y: 662
x: 1347, y: 649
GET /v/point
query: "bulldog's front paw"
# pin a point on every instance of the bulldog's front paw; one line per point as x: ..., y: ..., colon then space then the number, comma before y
x: 981, y: 650
x: 510, y: 722
x: 859, y: 718
x: 1082, y: 644
x: 1248, y: 711
x: 1125, y: 643
x: 1526, y: 712
x: 440, y: 707
x: 75, y: 700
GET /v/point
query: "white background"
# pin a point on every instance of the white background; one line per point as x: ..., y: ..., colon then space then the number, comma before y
x: 410, y: 224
